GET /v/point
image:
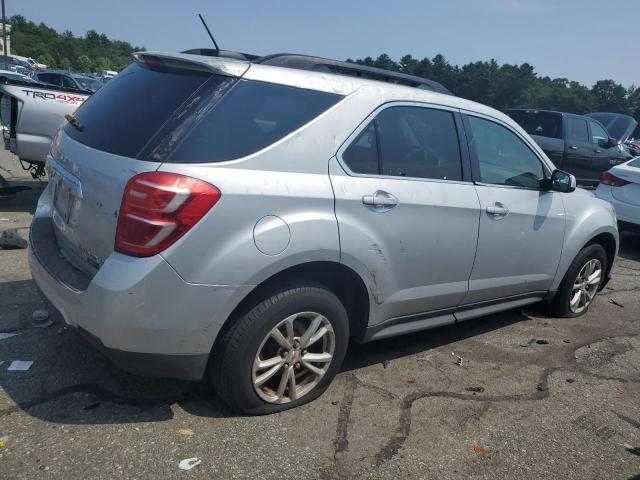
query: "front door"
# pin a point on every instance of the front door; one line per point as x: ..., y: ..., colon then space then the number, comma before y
x: 407, y: 218
x: 578, y: 153
x: 521, y: 227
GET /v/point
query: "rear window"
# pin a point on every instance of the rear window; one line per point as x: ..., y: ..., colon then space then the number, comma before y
x: 180, y: 116
x: 251, y: 116
x: 535, y: 122
x: 123, y: 115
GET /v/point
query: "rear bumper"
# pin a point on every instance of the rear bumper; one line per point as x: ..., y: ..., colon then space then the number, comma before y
x: 628, y: 215
x: 137, y: 311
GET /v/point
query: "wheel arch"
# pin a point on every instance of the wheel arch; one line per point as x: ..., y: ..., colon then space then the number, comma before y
x: 340, y: 279
x: 608, y: 241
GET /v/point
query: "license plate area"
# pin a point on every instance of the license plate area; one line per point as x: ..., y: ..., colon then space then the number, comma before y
x: 63, y: 201
x: 66, y: 193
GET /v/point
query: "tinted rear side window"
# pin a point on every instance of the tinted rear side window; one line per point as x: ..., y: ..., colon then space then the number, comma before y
x: 577, y: 130
x: 362, y: 155
x: 123, y: 115
x: 413, y: 142
x: 49, y: 78
x: 534, y: 122
x: 249, y: 117
x: 419, y: 142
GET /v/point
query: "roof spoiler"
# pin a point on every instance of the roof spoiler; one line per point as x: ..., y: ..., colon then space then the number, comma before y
x: 229, y: 66
x: 212, y: 52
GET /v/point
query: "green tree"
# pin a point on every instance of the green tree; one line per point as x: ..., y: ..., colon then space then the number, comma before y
x: 92, y: 52
x: 610, y: 96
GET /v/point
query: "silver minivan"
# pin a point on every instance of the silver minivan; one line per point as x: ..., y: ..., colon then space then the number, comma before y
x: 239, y: 220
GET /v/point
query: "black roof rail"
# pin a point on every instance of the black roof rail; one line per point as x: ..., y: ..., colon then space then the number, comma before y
x: 212, y: 52
x: 318, y: 64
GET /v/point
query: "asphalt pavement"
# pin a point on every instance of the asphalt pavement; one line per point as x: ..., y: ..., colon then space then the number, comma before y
x: 515, y: 395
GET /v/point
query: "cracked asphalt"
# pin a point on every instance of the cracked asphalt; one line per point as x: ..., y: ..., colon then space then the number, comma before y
x: 532, y: 397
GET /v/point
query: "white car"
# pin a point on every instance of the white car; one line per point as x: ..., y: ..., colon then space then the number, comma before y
x: 621, y: 187
x: 34, y: 65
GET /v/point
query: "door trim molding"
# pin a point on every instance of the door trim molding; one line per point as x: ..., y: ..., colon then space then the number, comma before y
x: 435, y: 318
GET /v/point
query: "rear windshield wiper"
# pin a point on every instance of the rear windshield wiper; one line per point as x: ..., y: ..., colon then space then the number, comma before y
x: 73, y: 120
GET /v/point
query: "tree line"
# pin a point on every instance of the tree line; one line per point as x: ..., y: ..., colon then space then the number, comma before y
x: 93, y: 52
x: 500, y: 86
x: 516, y: 86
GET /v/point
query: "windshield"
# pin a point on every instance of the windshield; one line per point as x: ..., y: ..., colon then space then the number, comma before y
x: 536, y: 122
x: 88, y: 83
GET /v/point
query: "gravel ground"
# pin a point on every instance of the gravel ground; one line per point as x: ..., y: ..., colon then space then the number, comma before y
x: 565, y: 407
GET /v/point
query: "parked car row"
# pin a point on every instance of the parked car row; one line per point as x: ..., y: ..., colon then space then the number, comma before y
x: 584, y: 145
x: 588, y: 146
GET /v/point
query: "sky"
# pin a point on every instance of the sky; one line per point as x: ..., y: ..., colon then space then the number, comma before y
x: 583, y: 40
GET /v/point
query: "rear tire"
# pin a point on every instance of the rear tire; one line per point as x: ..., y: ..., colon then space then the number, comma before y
x: 581, y: 283
x: 297, y: 368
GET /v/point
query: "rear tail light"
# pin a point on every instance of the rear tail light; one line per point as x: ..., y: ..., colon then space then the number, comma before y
x: 158, y: 208
x: 608, y: 178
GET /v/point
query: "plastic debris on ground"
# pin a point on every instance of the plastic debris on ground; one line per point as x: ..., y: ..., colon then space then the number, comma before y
x: 458, y: 359
x: 479, y: 450
x: 12, y: 239
x: 189, y: 463
x: 40, y: 315
x: 475, y: 389
x: 20, y: 365
x: 4, y: 336
x: 187, y: 432
x: 3, y: 441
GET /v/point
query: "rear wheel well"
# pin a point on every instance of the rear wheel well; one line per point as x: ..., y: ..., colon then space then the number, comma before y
x: 341, y: 280
x: 608, y: 242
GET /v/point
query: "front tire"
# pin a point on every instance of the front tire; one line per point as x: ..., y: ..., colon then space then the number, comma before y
x: 283, y: 353
x: 581, y: 283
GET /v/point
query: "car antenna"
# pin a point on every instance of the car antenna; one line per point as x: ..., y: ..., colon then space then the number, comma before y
x: 209, y: 32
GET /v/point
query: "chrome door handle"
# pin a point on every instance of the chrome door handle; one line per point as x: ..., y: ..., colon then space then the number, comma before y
x: 380, y: 199
x: 573, y: 147
x: 597, y: 151
x: 498, y: 210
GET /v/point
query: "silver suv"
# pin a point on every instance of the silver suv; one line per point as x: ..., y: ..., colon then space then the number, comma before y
x: 239, y: 220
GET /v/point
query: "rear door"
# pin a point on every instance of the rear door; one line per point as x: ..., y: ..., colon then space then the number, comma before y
x: 521, y: 227
x: 406, y: 209
x: 578, y: 148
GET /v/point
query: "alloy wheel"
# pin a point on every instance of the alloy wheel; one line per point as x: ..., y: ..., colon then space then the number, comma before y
x: 293, y: 357
x: 585, y: 286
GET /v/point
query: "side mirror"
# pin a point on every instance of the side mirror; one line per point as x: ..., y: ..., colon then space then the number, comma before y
x: 562, y: 181
x: 608, y: 143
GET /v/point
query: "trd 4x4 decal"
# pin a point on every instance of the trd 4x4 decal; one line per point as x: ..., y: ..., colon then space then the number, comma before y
x: 52, y: 96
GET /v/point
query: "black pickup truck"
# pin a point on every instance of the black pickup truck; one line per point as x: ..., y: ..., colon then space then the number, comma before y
x: 578, y: 144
